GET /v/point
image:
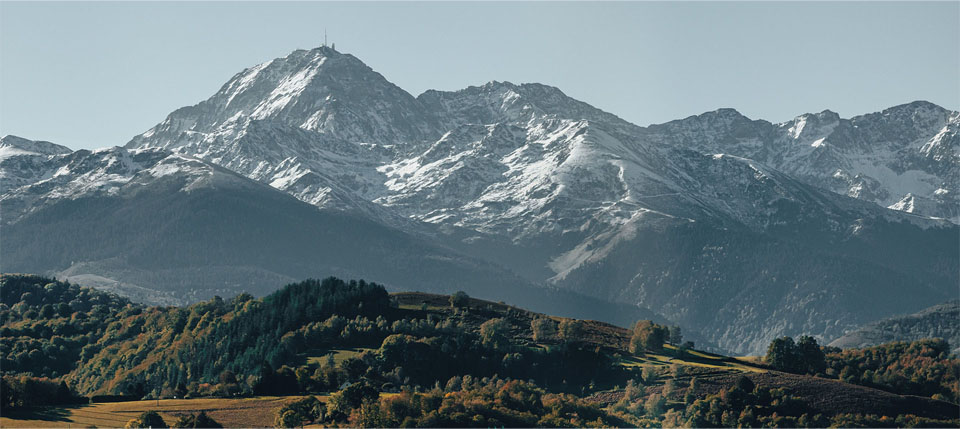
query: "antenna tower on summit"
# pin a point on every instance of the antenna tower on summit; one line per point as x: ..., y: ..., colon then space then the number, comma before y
x: 324, y: 37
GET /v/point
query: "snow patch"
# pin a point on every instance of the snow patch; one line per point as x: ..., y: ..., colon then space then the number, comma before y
x: 797, y: 127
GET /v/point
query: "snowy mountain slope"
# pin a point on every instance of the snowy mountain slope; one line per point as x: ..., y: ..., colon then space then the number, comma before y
x: 503, y: 178
x: 169, y: 228
x: 516, y: 160
x: 107, y: 171
x: 519, y: 160
x: 566, y: 194
x: 21, y: 159
x: 316, y: 124
x: 906, y: 157
x: 506, y: 102
x: 257, y: 125
x: 13, y: 145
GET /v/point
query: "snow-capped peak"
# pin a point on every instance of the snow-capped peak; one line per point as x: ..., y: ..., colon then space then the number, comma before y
x: 319, y: 90
x: 11, y: 145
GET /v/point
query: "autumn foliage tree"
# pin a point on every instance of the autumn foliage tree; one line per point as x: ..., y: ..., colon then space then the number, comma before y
x: 494, y: 333
x: 544, y: 329
x: 571, y: 329
x: 923, y: 367
x: 648, y: 335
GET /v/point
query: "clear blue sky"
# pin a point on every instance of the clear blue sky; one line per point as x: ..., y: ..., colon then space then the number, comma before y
x: 95, y: 74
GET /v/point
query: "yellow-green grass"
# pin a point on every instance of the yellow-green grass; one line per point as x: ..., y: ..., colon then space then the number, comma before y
x: 693, y: 358
x: 420, y: 307
x: 339, y: 355
x: 242, y: 412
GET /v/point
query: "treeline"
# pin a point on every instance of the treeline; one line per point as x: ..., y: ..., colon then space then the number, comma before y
x: 740, y: 405
x: 801, y: 357
x: 24, y: 392
x: 744, y: 404
x: 246, y: 346
x: 46, y: 324
x: 463, y: 402
x: 922, y: 368
x: 456, y: 363
x: 179, y: 347
x: 152, y: 419
x: 416, y: 353
x: 56, y: 329
x: 497, y: 402
x: 646, y: 335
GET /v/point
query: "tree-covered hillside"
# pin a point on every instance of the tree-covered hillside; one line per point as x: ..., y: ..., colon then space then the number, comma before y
x: 48, y: 326
x: 415, y: 359
x: 938, y: 321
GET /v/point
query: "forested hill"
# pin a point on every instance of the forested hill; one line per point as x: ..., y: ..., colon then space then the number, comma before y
x: 420, y: 359
x: 939, y: 321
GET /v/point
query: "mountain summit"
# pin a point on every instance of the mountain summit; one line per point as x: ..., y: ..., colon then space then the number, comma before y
x: 320, y: 90
x: 11, y: 145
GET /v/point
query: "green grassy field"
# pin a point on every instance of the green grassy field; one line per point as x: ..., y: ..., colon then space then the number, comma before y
x: 244, y: 412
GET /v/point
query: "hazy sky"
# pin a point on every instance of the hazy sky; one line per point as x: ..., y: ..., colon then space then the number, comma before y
x: 95, y: 74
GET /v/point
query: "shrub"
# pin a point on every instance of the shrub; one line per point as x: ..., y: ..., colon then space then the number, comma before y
x: 287, y: 418
x: 459, y: 299
x: 149, y: 419
x: 544, y: 329
x: 571, y: 329
x: 494, y: 333
x: 649, y: 375
x: 655, y: 404
x: 201, y: 420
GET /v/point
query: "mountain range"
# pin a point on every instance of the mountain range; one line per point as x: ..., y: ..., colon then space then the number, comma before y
x: 314, y: 164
